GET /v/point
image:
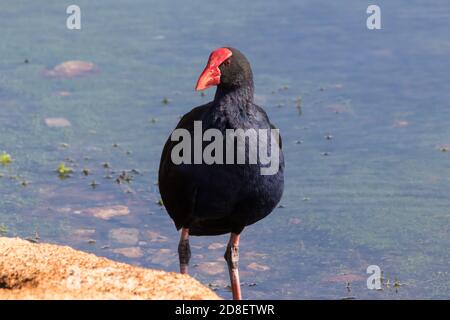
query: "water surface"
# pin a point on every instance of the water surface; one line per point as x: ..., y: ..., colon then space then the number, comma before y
x: 366, y: 178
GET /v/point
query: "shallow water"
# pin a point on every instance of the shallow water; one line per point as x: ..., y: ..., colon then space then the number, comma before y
x: 375, y: 193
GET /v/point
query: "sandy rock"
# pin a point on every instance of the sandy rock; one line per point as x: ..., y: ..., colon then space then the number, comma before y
x: 45, y: 271
x: 108, y: 212
x: 71, y: 69
x: 125, y: 235
x: 57, y: 122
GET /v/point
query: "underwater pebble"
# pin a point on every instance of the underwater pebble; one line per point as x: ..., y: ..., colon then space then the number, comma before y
x: 131, y: 252
x: 57, y: 122
x: 258, y: 267
x: 253, y: 255
x: 295, y: 221
x: 64, y: 93
x: 216, y: 245
x: 337, y: 108
x: 108, y: 212
x: 83, y: 233
x: 164, y: 257
x: 124, y: 235
x: 345, y: 278
x: 155, y: 236
x: 64, y: 210
x: 211, y: 268
x: 70, y: 69
x: 218, y: 284
x: 401, y: 124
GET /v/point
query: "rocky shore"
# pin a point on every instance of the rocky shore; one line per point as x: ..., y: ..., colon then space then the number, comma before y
x: 46, y: 271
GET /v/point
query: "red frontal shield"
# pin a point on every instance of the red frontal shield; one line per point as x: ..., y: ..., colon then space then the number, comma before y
x: 211, y: 75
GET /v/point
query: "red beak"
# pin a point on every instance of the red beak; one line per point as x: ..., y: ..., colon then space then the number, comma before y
x: 211, y: 75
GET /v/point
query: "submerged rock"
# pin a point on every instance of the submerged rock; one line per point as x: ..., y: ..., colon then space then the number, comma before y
x: 46, y: 271
x: 107, y: 212
x: 401, y: 124
x: 156, y: 236
x: 83, y: 234
x: 164, y: 257
x: 57, y: 122
x: 258, y: 267
x: 64, y: 93
x: 211, y: 268
x: 131, y: 252
x: 71, y: 69
x: 337, y: 108
x: 295, y: 221
x: 216, y: 245
x: 345, y: 278
x: 124, y: 235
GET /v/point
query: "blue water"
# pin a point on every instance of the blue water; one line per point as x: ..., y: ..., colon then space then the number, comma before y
x: 375, y: 192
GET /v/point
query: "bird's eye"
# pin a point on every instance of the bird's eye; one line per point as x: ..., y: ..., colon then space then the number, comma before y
x: 227, y: 62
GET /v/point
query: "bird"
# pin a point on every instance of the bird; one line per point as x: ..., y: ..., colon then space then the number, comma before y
x: 206, y: 199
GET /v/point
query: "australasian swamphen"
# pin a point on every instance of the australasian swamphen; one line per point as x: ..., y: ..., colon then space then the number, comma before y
x: 218, y: 198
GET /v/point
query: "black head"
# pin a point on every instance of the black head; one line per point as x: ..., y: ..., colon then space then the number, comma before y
x: 236, y: 70
x: 227, y: 67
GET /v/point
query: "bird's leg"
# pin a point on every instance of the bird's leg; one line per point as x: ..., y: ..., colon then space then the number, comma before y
x: 232, y: 258
x: 184, y: 251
